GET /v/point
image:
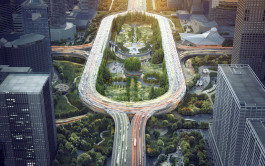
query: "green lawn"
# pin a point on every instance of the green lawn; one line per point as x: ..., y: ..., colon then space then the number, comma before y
x: 146, y: 33
x: 143, y: 91
x: 152, y: 68
x: 124, y: 35
x: 115, y: 92
x: 61, y: 105
x: 177, y: 24
x: 68, y: 70
x: 74, y: 99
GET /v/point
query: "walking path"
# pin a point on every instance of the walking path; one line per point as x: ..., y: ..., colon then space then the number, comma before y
x: 76, y: 78
x: 111, y: 5
x: 101, y: 136
x: 69, y: 102
x: 154, y: 4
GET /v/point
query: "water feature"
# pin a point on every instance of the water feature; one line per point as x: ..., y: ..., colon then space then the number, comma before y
x: 151, y: 78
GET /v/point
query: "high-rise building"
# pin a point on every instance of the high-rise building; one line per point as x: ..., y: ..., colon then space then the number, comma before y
x: 175, y: 4
x: 27, y: 121
x: 49, y: 4
x: 249, y: 37
x: 6, y: 24
x: 28, y: 50
x: 35, y: 20
x: 223, y: 12
x: 253, y: 152
x: 60, y: 29
x: 17, y: 15
x: 58, y: 18
x: 239, y: 95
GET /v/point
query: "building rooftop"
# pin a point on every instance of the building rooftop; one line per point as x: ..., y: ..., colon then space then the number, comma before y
x: 7, y: 69
x: 244, y: 82
x: 210, y: 37
x: 29, y: 83
x: 259, y: 127
x: 183, y: 14
x: 16, y: 39
x: 28, y: 38
x: 35, y: 3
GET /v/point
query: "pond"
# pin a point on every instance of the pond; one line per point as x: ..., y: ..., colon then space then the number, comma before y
x: 151, y: 78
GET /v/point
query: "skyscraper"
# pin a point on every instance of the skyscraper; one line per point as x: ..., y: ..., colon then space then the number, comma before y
x: 35, y: 20
x: 17, y: 15
x: 223, y: 11
x: 239, y: 95
x: 249, y: 37
x: 27, y: 121
x: 58, y: 17
x: 49, y: 4
x: 28, y: 50
x: 59, y: 28
x: 6, y: 24
x: 253, y: 152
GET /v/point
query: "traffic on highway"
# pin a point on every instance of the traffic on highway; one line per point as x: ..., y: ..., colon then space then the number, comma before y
x: 129, y: 139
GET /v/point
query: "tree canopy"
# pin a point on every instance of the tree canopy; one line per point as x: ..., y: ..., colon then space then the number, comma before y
x: 132, y: 64
x: 104, y: 75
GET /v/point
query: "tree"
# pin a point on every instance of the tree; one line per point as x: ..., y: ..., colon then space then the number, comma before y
x: 160, y: 142
x: 69, y: 147
x: 84, y: 132
x: 164, y: 123
x: 55, y: 163
x: 169, y: 149
x: 206, y: 107
x: 84, y: 145
x: 132, y: 64
x: 158, y: 56
x: 204, y: 125
x: 75, y: 140
x: 152, y: 93
x: 84, y: 159
x: 147, y: 138
x: 156, y: 134
x: 186, y: 161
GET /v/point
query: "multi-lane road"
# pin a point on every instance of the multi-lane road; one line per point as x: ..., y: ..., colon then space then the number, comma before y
x: 129, y: 143
x: 120, y: 146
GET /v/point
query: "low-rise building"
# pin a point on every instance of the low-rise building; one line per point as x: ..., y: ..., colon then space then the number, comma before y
x: 209, y: 38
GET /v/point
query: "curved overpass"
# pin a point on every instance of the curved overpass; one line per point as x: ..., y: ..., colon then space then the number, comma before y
x: 129, y: 147
x: 166, y: 102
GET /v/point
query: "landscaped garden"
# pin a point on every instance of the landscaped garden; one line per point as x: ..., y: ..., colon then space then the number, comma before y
x: 195, y: 104
x: 164, y: 135
x: 206, y: 61
x: 68, y: 104
x: 132, y: 79
x: 84, y: 136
